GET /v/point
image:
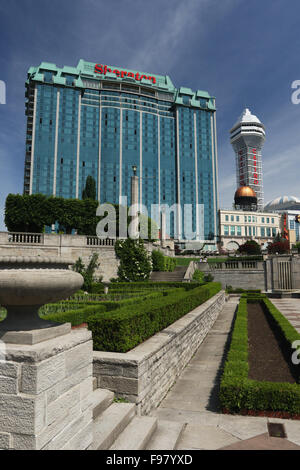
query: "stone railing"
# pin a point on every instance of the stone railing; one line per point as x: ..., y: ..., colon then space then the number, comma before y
x: 95, y: 241
x: 190, y: 271
x: 236, y: 264
x: 28, y: 238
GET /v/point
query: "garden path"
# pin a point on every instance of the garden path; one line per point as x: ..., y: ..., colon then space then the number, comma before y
x: 193, y: 400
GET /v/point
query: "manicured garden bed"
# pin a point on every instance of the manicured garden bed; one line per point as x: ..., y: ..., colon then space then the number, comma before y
x: 123, y: 329
x: 259, y: 377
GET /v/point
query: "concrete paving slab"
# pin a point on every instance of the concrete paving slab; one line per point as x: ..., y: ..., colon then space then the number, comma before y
x: 184, y: 416
x: 204, y: 437
x: 242, y: 427
x: 263, y: 442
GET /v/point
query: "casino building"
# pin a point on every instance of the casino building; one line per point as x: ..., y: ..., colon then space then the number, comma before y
x: 102, y: 121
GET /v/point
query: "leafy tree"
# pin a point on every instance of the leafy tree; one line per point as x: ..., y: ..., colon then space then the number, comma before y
x: 297, y: 246
x: 26, y: 213
x: 87, y: 272
x: 89, y: 191
x: 279, y: 247
x: 135, y: 262
x: 250, y: 247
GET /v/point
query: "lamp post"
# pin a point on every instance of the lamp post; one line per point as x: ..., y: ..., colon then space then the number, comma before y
x: 134, y: 225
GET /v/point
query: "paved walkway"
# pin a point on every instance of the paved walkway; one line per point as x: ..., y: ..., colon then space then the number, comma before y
x: 193, y: 400
x: 290, y: 308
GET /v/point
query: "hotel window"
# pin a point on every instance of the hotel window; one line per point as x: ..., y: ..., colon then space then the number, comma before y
x: 262, y: 220
x: 226, y: 230
x: 232, y: 230
x: 232, y: 218
x: 237, y: 218
x: 249, y: 218
x: 272, y: 220
x: 239, y: 230
x: 253, y: 231
x: 268, y: 231
x: 226, y: 218
x: 245, y: 218
x: 262, y: 231
x: 268, y: 220
x: 273, y: 232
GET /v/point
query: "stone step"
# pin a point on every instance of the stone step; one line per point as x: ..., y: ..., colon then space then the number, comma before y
x: 102, y: 399
x: 109, y: 425
x: 136, y: 435
x: 166, y: 435
x: 98, y: 400
x: 95, y: 384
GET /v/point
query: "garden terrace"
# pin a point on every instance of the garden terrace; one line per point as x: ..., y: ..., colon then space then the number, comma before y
x: 259, y: 376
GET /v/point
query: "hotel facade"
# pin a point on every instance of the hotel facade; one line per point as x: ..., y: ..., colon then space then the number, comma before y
x: 102, y: 121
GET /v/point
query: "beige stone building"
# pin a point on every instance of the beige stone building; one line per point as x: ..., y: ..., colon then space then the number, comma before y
x: 238, y: 226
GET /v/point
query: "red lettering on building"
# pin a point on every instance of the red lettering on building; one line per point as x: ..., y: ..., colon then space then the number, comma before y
x: 103, y: 69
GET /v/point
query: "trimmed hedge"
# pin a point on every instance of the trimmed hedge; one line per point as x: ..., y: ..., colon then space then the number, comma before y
x: 161, y: 262
x: 115, y: 287
x: 125, y: 328
x: 237, y: 391
x: 79, y: 315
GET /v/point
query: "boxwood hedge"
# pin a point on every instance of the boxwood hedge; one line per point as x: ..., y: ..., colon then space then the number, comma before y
x: 78, y: 312
x: 128, y: 326
x: 237, y: 391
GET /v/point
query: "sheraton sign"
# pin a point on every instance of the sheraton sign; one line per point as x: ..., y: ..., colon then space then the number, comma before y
x: 103, y: 69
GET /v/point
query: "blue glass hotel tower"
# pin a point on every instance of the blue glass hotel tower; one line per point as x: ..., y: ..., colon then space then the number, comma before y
x: 100, y: 120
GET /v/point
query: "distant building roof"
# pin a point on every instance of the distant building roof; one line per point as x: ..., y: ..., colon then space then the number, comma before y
x: 283, y: 202
x: 247, y: 116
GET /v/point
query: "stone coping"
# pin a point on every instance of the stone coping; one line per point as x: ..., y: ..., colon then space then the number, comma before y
x: 19, y: 261
x: 46, y: 349
x: 152, y: 345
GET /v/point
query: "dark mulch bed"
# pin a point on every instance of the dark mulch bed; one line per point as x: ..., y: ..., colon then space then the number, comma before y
x: 269, y: 355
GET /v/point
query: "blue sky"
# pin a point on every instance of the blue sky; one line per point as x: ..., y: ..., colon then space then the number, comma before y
x: 244, y: 53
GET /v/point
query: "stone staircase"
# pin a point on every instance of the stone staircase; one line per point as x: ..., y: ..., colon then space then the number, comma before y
x: 117, y: 427
x: 169, y: 276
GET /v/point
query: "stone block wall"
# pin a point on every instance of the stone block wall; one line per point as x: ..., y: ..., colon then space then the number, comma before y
x: 70, y: 246
x: 44, y: 394
x: 145, y: 374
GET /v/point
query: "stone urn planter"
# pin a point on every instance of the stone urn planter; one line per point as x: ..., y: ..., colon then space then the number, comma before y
x: 27, y: 283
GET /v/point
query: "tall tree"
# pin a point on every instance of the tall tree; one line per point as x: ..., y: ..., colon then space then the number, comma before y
x: 89, y: 191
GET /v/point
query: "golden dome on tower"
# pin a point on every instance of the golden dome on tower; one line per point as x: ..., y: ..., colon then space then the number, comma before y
x: 245, y: 191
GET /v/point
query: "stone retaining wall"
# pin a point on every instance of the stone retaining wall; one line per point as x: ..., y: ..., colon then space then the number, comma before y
x: 145, y: 374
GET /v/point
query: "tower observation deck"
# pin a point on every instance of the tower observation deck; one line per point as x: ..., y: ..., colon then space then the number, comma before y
x: 247, y: 138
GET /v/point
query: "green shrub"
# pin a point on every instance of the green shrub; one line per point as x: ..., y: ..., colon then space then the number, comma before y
x: 198, y: 275
x: 208, y: 277
x: 237, y: 391
x: 125, y: 328
x: 161, y: 262
x: 157, y: 261
x: 77, y: 312
x: 75, y: 317
x: 137, y: 286
x: 135, y: 262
